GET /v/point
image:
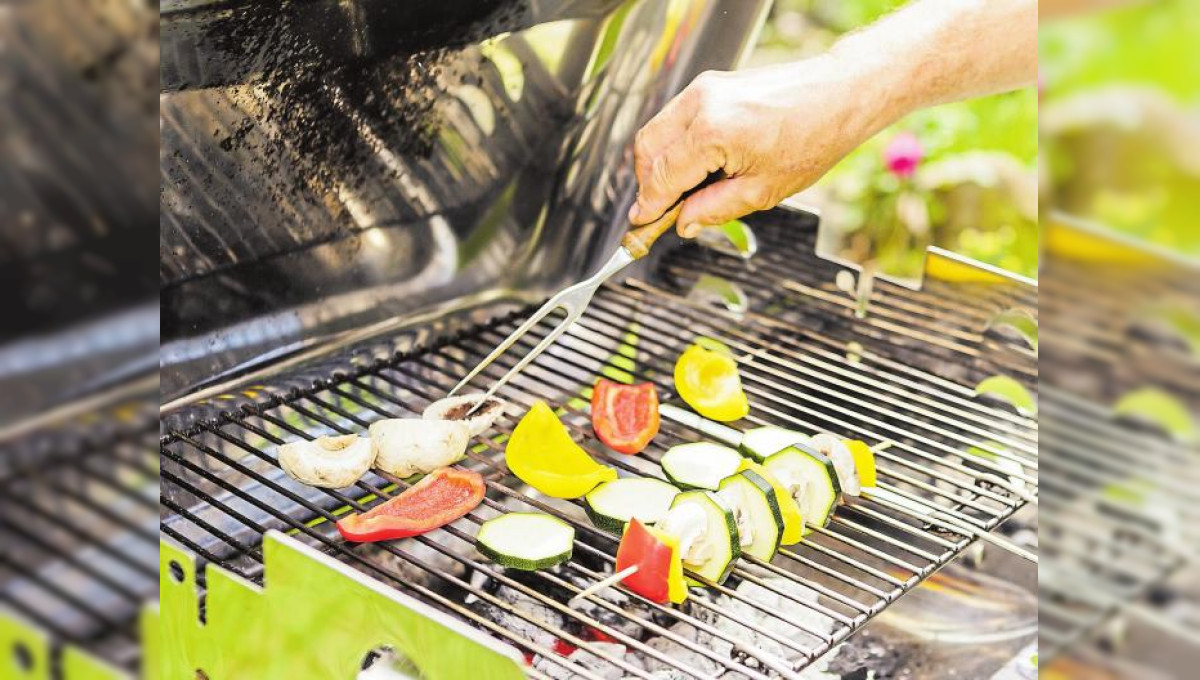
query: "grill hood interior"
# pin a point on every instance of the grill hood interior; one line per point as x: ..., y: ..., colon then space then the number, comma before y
x: 328, y: 165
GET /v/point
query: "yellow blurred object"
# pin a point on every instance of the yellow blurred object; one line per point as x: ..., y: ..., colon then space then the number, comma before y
x: 944, y: 268
x: 1074, y: 241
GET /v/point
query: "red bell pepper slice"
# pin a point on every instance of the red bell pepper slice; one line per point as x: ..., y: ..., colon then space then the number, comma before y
x: 659, y: 575
x: 441, y: 497
x: 625, y: 417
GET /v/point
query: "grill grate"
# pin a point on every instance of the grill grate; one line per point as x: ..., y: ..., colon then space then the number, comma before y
x: 79, y: 524
x: 1106, y: 555
x: 769, y: 620
x: 1120, y: 535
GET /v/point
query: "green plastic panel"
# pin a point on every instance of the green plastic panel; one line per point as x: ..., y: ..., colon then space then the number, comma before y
x: 25, y: 654
x: 314, y: 618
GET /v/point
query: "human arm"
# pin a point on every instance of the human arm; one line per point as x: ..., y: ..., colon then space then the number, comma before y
x: 775, y: 130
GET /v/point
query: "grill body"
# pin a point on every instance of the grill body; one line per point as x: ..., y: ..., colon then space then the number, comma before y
x: 359, y: 204
x: 902, y: 383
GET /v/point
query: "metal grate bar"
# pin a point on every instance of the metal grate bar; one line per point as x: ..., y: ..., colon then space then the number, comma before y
x: 875, y: 369
x: 794, y: 344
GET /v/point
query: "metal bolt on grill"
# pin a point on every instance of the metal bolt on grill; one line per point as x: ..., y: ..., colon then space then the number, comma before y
x: 222, y: 488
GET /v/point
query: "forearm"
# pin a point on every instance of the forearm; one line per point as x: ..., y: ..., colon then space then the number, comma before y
x: 935, y: 51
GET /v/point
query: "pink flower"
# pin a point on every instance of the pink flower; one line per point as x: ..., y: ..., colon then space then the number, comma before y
x: 903, y: 154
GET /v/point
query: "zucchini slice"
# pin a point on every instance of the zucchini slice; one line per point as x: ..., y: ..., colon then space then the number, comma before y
x: 526, y: 540
x: 707, y: 532
x: 612, y: 504
x: 756, y: 510
x: 763, y: 442
x: 701, y: 465
x: 810, y: 478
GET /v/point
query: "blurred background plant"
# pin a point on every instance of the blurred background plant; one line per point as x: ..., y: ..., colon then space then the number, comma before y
x: 1121, y: 120
x: 975, y: 191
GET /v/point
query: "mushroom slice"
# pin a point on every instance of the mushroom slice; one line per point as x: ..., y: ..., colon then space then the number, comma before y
x: 409, y: 446
x: 327, y: 462
x: 843, y: 461
x: 456, y: 408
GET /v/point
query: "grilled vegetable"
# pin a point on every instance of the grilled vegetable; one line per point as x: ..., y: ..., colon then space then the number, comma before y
x: 625, y: 417
x: 456, y: 408
x: 409, y: 446
x: 542, y: 454
x: 707, y: 533
x: 435, y: 501
x: 612, y: 504
x: 328, y: 462
x: 762, y: 442
x: 843, y: 461
x: 526, y: 540
x: 655, y: 553
x: 706, y: 377
x: 810, y: 479
x: 756, y: 511
x: 789, y: 509
x: 864, y: 462
x: 700, y: 465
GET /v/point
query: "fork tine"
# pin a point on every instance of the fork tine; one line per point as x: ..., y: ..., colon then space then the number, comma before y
x: 572, y: 316
x: 551, y: 305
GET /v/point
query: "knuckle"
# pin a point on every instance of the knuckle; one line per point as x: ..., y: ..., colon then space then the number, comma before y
x: 640, y: 140
x: 759, y: 197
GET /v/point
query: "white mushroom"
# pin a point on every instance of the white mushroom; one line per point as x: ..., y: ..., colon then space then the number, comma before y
x: 328, y: 462
x: 843, y: 461
x: 456, y: 408
x: 688, y: 523
x: 408, y: 446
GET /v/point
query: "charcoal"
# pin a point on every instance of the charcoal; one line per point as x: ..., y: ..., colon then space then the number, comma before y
x: 587, y: 660
x: 521, y: 626
x: 626, y: 609
x: 792, y: 611
x: 684, y: 655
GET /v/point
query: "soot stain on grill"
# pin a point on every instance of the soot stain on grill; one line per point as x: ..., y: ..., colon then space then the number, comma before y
x: 319, y: 73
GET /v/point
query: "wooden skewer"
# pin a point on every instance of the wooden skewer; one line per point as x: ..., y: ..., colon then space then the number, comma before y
x: 602, y: 584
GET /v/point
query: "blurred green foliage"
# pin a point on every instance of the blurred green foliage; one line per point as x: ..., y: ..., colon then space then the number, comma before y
x: 1127, y: 170
x: 1147, y: 43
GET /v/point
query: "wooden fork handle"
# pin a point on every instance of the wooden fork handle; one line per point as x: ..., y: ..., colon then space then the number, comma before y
x: 639, y: 239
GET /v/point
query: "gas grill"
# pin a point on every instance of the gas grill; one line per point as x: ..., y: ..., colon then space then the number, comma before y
x: 1118, y: 587
x: 223, y: 490
x: 390, y: 253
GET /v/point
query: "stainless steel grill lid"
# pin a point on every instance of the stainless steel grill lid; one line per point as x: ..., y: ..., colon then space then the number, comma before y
x: 328, y: 165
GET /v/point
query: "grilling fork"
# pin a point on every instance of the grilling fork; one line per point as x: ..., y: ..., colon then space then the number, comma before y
x: 575, y: 298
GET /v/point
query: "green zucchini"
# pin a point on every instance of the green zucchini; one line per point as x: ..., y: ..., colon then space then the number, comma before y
x: 701, y: 465
x: 811, y: 479
x: 705, y: 525
x: 526, y: 540
x: 612, y: 504
x: 763, y: 442
x: 756, y: 508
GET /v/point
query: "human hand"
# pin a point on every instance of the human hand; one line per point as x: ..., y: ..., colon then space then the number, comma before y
x: 773, y: 131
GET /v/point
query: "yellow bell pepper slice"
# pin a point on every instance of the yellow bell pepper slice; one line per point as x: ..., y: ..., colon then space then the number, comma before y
x: 864, y: 461
x: 793, y: 521
x: 542, y: 454
x: 677, y: 591
x: 707, y: 379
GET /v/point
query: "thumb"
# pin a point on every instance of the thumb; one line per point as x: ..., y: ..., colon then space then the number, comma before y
x: 726, y: 200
